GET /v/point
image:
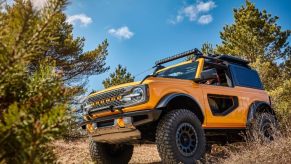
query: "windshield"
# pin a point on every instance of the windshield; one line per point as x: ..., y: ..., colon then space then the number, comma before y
x: 185, y: 71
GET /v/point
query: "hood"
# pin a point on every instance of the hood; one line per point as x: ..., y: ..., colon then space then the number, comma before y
x: 148, y: 81
x: 168, y: 81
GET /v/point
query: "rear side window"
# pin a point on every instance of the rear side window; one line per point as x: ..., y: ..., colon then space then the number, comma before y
x: 245, y: 77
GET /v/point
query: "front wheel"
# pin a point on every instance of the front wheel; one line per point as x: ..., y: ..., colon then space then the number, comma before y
x: 103, y: 153
x: 180, y: 137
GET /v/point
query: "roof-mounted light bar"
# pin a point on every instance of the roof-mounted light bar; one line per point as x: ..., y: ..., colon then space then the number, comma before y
x: 178, y: 56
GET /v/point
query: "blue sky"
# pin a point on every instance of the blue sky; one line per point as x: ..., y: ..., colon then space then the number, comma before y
x: 140, y: 32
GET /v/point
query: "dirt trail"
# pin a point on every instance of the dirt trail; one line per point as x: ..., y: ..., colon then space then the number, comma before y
x: 275, y: 152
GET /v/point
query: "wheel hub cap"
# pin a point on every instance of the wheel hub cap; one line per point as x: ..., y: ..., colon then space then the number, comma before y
x: 186, y: 139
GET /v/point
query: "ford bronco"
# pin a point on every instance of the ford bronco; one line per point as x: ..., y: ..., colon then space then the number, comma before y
x: 178, y: 107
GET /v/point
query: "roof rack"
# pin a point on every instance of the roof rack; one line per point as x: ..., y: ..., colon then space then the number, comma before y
x: 198, y: 54
x: 194, y: 51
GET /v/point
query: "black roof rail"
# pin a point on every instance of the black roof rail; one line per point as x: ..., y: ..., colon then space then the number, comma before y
x: 233, y: 60
x: 194, y: 51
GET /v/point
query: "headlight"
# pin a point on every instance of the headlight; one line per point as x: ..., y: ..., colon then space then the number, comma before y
x: 136, y: 95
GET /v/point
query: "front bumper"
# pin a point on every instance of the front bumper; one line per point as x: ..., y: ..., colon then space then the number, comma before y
x: 116, y: 134
x: 106, y: 129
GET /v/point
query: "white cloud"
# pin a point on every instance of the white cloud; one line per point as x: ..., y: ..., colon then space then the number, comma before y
x: 190, y: 12
x: 121, y: 33
x: 82, y: 19
x: 205, y: 19
x: 193, y: 11
x: 205, y: 6
x: 9, y: 2
x: 178, y: 19
x: 39, y: 4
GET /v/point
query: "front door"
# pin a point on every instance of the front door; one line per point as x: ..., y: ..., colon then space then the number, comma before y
x: 224, y: 107
x: 223, y: 102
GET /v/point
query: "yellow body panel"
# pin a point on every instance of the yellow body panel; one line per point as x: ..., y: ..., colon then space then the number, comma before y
x: 160, y: 87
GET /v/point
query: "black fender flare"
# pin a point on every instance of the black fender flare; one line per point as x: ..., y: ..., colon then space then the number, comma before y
x: 258, y: 106
x: 169, y: 97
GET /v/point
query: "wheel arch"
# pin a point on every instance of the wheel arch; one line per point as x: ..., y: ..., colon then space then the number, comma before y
x: 259, y: 107
x: 171, y: 101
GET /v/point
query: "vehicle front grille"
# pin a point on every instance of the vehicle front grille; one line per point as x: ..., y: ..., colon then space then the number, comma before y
x: 107, y: 99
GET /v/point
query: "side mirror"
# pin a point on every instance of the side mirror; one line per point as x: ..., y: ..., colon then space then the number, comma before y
x: 208, y: 74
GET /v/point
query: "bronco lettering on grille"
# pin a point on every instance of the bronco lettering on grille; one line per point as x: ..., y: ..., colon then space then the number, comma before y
x: 105, y: 101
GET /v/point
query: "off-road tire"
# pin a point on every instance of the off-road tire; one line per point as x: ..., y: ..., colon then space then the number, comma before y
x: 102, y: 153
x: 264, y: 127
x: 166, y: 136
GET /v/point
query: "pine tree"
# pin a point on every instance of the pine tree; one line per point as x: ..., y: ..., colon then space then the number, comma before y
x: 286, y: 64
x: 38, y: 58
x: 68, y: 53
x: 23, y: 25
x: 256, y: 36
x: 119, y: 76
x: 253, y: 34
x: 206, y: 49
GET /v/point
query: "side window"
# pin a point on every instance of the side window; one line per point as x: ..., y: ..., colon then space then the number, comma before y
x: 222, y: 105
x: 245, y: 77
x: 222, y: 77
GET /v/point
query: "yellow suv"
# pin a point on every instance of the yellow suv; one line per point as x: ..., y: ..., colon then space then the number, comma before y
x: 178, y: 107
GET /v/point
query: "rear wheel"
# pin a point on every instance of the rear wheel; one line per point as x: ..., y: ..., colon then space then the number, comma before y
x: 264, y: 127
x: 180, y: 137
x: 103, y: 153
